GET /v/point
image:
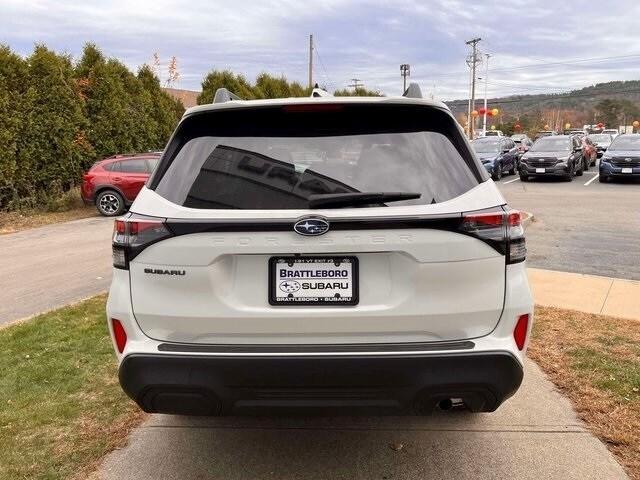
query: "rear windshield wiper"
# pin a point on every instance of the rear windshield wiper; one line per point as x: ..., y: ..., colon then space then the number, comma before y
x: 332, y: 200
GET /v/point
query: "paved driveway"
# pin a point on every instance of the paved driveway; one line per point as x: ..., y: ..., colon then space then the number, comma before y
x: 535, y: 435
x: 47, y: 267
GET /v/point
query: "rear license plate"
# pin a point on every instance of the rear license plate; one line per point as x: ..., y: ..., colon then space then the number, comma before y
x: 313, y: 281
x: 539, y: 170
x: 627, y: 170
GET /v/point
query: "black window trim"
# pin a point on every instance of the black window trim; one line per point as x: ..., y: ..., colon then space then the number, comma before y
x: 460, y: 143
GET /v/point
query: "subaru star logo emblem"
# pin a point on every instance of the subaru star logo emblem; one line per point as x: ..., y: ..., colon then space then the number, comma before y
x: 289, y: 286
x: 311, y: 226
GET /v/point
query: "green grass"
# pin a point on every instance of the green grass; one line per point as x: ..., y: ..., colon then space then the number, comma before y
x: 618, y: 375
x: 61, y: 407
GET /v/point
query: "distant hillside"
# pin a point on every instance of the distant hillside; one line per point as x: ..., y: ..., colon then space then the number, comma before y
x: 583, y: 100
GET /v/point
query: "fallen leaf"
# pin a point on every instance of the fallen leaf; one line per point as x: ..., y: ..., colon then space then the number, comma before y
x: 396, y: 447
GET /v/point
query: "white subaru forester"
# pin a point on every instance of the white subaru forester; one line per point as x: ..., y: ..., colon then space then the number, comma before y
x: 319, y: 254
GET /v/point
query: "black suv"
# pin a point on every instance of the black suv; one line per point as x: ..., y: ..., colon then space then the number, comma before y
x: 557, y: 155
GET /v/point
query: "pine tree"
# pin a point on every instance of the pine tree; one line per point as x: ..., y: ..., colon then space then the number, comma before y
x: 51, y: 148
x: 13, y: 71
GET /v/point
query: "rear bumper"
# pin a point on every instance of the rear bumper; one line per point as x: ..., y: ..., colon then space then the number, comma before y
x: 86, y: 193
x: 403, y: 384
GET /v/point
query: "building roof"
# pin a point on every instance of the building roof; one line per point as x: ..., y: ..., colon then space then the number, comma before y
x: 188, y: 98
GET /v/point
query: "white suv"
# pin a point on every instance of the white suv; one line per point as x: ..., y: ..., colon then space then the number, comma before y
x: 319, y: 253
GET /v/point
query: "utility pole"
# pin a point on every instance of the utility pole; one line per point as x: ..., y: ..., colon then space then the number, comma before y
x: 474, y: 61
x: 486, y: 79
x: 405, y: 71
x: 468, y: 129
x: 357, y: 83
x: 310, y: 61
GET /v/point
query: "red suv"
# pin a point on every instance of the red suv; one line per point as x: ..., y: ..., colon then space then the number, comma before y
x: 113, y: 183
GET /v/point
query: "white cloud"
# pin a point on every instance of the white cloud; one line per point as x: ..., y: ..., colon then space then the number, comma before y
x: 363, y: 39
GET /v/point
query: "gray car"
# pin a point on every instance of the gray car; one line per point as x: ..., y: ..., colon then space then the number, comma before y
x: 602, y: 141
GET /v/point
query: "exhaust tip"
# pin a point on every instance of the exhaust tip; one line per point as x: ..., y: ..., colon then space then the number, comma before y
x: 445, y: 404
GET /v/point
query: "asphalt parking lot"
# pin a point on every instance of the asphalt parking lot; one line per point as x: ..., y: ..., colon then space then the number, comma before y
x: 582, y: 226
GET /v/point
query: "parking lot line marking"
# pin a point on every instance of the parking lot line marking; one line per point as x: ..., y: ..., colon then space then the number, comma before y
x: 595, y: 176
x: 511, y: 181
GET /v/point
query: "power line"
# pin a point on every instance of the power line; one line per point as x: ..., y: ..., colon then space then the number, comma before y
x: 357, y: 83
x: 326, y: 75
x: 534, y: 65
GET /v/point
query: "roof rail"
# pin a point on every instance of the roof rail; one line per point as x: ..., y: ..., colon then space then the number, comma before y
x: 149, y: 153
x: 413, y: 91
x: 223, y: 95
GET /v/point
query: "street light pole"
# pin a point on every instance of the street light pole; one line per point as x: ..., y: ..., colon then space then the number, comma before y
x: 405, y: 72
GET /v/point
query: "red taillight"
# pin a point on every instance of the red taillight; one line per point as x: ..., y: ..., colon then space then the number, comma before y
x: 499, y: 228
x: 120, y: 227
x: 514, y: 219
x: 132, y: 234
x: 520, y: 332
x: 119, y: 335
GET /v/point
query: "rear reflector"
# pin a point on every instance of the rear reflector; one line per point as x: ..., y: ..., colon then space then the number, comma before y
x: 119, y: 335
x: 520, y: 332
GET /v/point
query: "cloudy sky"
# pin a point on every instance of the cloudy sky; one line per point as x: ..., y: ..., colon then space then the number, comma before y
x: 541, y: 46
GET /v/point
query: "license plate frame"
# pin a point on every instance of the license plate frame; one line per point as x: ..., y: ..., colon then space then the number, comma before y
x: 280, y: 300
x: 540, y: 170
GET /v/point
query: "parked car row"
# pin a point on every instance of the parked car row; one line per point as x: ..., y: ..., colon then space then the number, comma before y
x: 113, y: 183
x: 563, y: 156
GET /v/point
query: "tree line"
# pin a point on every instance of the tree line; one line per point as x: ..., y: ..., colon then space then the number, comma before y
x: 265, y: 86
x: 58, y: 116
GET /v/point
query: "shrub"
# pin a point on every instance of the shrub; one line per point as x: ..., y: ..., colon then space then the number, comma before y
x: 57, y: 118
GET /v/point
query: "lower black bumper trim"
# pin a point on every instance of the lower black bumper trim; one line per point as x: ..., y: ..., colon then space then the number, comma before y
x: 317, y: 348
x: 403, y: 384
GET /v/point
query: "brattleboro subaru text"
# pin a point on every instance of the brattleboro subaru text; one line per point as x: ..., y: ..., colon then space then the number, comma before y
x: 316, y: 255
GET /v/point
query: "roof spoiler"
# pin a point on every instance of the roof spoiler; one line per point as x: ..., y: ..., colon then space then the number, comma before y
x: 223, y: 95
x: 413, y: 91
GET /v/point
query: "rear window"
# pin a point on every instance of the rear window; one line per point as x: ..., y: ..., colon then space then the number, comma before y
x: 275, y: 158
x: 552, y: 144
x: 626, y: 142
